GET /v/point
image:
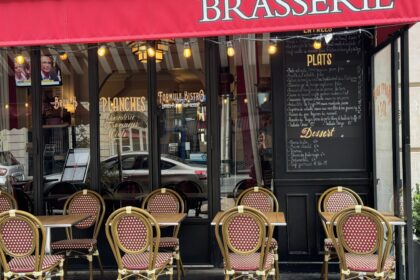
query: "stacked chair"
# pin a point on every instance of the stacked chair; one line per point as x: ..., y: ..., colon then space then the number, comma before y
x: 134, y: 237
x: 83, y: 202
x: 167, y: 201
x: 263, y: 200
x: 243, y: 235
x: 334, y: 200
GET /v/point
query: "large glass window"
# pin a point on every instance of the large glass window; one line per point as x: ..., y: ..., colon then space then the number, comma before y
x: 181, y: 99
x: 123, y: 126
x: 16, y: 164
x: 65, y: 122
x: 246, y: 117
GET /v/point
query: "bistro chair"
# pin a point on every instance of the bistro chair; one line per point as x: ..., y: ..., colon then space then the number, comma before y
x: 263, y: 200
x: 334, y: 200
x: 22, y: 248
x: 358, y: 235
x: 242, y: 233
x: 167, y: 201
x: 7, y: 202
x: 134, y: 237
x: 83, y: 202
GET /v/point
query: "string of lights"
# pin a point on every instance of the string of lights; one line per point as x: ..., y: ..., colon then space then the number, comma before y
x: 145, y: 50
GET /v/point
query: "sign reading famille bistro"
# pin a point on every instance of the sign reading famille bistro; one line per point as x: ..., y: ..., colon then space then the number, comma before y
x: 77, y: 21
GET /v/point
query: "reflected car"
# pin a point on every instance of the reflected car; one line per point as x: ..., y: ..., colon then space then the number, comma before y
x: 10, y: 166
x: 174, y: 170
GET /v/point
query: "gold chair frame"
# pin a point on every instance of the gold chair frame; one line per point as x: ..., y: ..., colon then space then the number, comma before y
x: 151, y: 246
x: 335, y: 229
x: 181, y: 209
x: 71, y: 253
x: 223, y: 240
x: 275, y: 208
x: 38, y: 248
x: 321, y: 207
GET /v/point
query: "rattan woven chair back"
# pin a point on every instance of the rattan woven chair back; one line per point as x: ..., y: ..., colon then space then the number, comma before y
x: 163, y: 200
x: 22, y: 240
x: 86, y: 202
x: 244, y: 231
x: 7, y: 202
x: 358, y: 234
x: 134, y: 235
x: 259, y: 198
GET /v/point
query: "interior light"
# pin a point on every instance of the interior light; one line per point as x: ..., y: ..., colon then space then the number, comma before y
x: 272, y: 48
x: 102, y: 50
x: 317, y: 44
x: 328, y: 38
x: 246, y: 100
x: 151, y: 51
x: 187, y: 50
x: 6, y: 106
x: 230, y: 49
x: 63, y: 56
x: 20, y: 59
x: 26, y: 104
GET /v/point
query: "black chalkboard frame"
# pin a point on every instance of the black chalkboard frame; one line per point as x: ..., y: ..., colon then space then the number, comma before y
x: 362, y: 149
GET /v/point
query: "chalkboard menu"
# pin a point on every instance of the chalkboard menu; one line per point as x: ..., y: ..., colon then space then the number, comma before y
x: 324, y: 104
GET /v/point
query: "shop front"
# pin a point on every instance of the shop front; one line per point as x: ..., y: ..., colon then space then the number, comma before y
x: 209, y: 98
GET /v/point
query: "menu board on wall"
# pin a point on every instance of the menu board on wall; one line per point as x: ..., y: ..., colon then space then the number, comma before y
x: 324, y: 105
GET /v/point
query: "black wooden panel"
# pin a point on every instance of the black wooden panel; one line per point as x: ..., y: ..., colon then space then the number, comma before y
x: 194, y: 245
x: 297, y: 224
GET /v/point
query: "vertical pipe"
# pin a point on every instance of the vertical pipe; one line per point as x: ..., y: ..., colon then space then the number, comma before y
x: 406, y: 153
x: 396, y: 150
x: 212, y: 61
x: 95, y: 172
x: 37, y: 135
x: 153, y: 125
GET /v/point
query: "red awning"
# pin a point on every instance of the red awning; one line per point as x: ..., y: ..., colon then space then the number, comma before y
x: 39, y: 22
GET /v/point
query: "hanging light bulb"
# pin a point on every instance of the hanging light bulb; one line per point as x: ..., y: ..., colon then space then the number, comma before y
x: 246, y: 100
x: 6, y: 106
x: 272, y: 48
x: 102, y: 50
x: 317, y: 44
x: 151, y: 51
x: 20, y: 59
x: 26, y: 104
x: 230, y: 49
x: 63, y: 56
x: 187, y: 50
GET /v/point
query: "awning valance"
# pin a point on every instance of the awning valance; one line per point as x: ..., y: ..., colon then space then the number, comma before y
x: 39, y: 22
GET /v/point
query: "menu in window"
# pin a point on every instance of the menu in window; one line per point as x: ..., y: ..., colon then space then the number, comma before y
x: 76, y: 167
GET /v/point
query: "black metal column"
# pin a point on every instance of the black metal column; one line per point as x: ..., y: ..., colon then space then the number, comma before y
x: 95, y: 172
x: 213, y: 136
x: 396, y: 153
x: 153, y: 125
x: 406, y: 154
x: 37, y: 135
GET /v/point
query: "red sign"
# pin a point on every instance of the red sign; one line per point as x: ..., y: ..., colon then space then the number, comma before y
x: 90, y: 21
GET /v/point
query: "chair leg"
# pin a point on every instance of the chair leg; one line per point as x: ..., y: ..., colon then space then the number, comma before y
x: 276, y: 263
x: 90, y: 260
x: 325, y: 265
x: 100, y: 263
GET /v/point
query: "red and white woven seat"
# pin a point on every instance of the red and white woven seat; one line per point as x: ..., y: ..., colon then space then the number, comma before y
x: 167, y: 201
x: 359, y: 235
x: 249, y: 262
x: 27, y: 264
x: 334, y: 200
x: 168, y: 242
x: 84, y: 202
x: 328, y: 244
x: 367, y: 263
x: 130, y: 232
x: 74, y: 244
x: 243, y: 239
x: 141, y: 261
